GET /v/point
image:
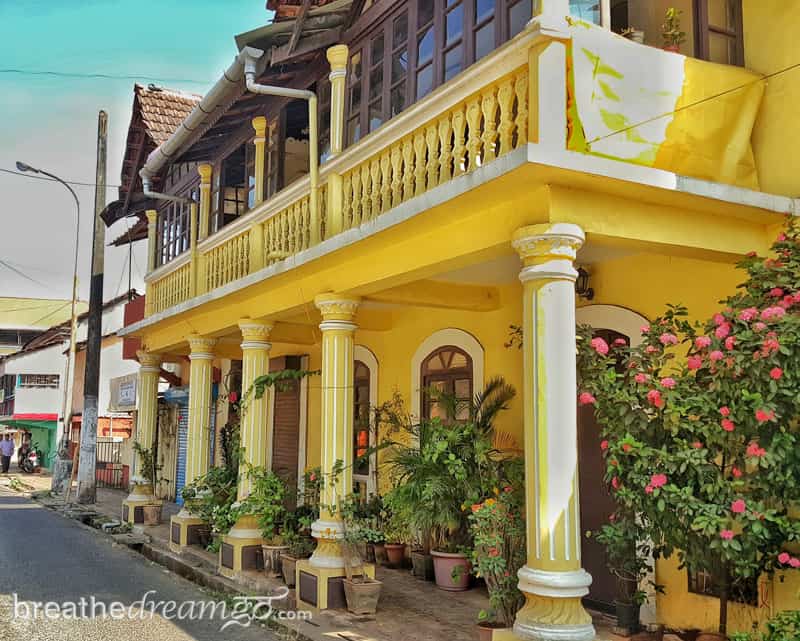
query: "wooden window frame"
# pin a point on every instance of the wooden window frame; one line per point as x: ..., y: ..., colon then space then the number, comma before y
x: 703, y: 30
x: 363, y: 381
x: 174, y: 225
x: 709, y: 588
x: 449, y: 376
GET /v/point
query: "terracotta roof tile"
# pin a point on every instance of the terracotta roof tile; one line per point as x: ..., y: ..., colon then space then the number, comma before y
x: 163, y: 110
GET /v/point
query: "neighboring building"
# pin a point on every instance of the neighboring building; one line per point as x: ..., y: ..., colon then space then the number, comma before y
x: 23, y: 319
x: 33, y: 380
x: 463, y: 146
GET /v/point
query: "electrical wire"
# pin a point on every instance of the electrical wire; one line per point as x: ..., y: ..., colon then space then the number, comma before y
x: 24, y: 275
x: 69, y: 182
x: 99, y: 76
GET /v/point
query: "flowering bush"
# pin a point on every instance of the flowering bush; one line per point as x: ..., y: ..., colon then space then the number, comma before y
x: 706, y: 447
x: 498, y: 530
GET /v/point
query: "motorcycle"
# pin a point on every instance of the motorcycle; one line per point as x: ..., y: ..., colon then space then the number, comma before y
x: 28, y: 461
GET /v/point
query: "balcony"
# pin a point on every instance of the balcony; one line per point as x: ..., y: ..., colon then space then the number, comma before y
x: 580, y: 89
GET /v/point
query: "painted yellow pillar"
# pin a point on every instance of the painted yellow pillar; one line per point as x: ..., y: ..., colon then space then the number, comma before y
x: 204, y: 170
x: 337, y: 57
x: 146, y: 421
x: 193, y: 254
x: 338, y: 337
x: 259, y: 142
x: 239, y: 546
x: 552, y: 579
x: 199, y: 430
x: 152, y: 230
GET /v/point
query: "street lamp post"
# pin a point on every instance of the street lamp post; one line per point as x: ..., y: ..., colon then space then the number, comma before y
x: 69, y: 377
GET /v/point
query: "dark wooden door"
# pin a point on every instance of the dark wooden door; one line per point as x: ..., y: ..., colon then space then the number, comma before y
x: 596, y: 502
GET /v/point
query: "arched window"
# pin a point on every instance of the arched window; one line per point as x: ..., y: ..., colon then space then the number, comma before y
x: 448, y: 371
x: 361, y: 420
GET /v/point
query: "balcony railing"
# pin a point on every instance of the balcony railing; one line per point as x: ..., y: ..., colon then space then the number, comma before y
x: 469, y: 122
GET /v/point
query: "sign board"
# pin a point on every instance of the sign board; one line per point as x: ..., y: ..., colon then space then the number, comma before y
x: 123, y: 394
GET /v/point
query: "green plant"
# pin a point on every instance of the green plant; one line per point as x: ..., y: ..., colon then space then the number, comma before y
x: 498, y: 530
x: 671, y: 29
x: 148, y: 461
x: 706, y: 447
x: 211, y: 497
x: 784, y: 626
x: 267, y: 501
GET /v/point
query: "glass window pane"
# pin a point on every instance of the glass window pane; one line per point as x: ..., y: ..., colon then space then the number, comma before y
x: 355, y: 67
x: 377, y: 50
x: 459, y: 360
x: 355, y: 99
x: 424, y: 12
x: 400, y: 31
x: 399, y: 65
x: 398, y: 99
x: 721, y: 13
x: 721, y: 48
x: 425, y: 46
x: 484, y: 40
x: 455, y: 24
x: 375, y: 115
x: 483, y: 9
x: 353, y: 130
x: 462, y: 389
x: 424, y: 81
x: 375, y: 83
x: 518, y: 16
x: 588, y: 10
x: 452, y: 62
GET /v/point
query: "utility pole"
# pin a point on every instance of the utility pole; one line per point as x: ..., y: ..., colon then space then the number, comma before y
x: 87, y: 460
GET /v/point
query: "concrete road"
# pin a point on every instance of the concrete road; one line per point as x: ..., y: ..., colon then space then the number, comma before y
x: 47, y: 558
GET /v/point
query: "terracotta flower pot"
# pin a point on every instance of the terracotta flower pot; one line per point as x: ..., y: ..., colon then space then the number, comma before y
x: 395, y: 554
x: 451, y: 570
x: 288, y: 566
x: 273, y: 567
x: 486, y: 630
x: 362, y: 596
x: 151, y: 514
x: 672, y: 48
x: 380, y: 553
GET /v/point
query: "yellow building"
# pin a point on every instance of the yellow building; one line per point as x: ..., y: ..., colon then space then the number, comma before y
x: 473, y: 157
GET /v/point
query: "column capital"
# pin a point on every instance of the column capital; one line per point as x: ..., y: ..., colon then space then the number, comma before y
x: 337, y: 57
x: 149, y: 361
x: 337, y: 308
x: 548, y: 251
x: 152, y: 216
x: 201, y: 347
x: 260, y: 126
x: 254, y: 335
x: 204, y: 170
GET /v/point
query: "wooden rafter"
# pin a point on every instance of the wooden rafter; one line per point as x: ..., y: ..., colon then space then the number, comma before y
x: 298, y: 25
x: 355, y: 10
x: 142, y: 143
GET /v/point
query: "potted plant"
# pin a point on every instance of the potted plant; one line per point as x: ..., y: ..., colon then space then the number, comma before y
x: 498, y: 530
x: 267, y: 501
x: 671, y: 30
x: 361, y: 591
x: 150, y: 474
x: 631, y: 33
x: 396, y: 533
x: 298, y: 546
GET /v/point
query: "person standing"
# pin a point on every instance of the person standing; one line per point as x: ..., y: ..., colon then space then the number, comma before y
x: 6, y: 452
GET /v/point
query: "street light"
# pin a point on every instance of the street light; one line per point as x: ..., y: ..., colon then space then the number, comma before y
x: 24, y: 167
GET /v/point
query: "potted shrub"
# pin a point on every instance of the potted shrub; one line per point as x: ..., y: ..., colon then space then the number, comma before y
x: 396, y: 533
x: 211, y: 498
x: 671, y: 30
x: 361, y: 591
x: 298, y: 546
x: 267, y: 501
x: 150, y: 475
x: 498, y: 531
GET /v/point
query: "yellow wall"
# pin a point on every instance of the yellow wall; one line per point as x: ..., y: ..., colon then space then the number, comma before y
x: 770, y: 44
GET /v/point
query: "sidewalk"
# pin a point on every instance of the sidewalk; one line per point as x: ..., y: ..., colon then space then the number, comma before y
x: 409, y: 609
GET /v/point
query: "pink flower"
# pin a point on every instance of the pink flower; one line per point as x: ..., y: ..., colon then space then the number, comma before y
x: 770, y: 346
x: 773, y: 313
x: 730, y: 342
x: 604, y: 445
x: 658, y: 480
x: 586, y: 399
x: 797, y: 297
x: 645, y: 329
x: 620, y: 342
x: 748, y: 314
x: 738, y: 506
x: 233, y: 397
x: 750, y: 254
x: 668, y: 339
x: 615, y: 483
x: 762, y: 416
x: 784, y: 558
x: 654, y: 398
x: 702, y: 341
x: 775, y: 373
x: 640, y: 378
x: 649, y: 489
x: 697, y: 445
x: 781, y: 237
x: 718, y: 319
x: 787, y: 301
x: 759, y: 326
x: 668, y: 382
x: 725, y: 410
x: 694, y: 362
x: 727, y: 425
x: 651, y: 349
x: 600, y: 346
x: 795, y: 563
x: 737, y: 473
x: 755, y: 450
x: 626, y: 447
x: 727, y: 534
x: 776, y: 292
x: 716, y: 355
x: 722, y: 331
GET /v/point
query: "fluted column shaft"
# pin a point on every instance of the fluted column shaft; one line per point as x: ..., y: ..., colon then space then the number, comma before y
x: 200, y: 379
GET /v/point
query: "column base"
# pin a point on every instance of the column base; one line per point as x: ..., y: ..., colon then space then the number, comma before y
x: 553, y: 610
x: 184, y: 531
x: 323, y: 588
x: 241, y: 548
x: 140, y: 496
x: 328, y: 553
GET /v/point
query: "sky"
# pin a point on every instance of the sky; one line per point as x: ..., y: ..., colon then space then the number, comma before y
x: 51, y: 122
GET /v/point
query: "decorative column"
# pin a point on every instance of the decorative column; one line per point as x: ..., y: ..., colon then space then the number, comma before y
x: 204, y: 170
x: 327, y: 562
x: 337, y: 57
x: 259, y: 142
x: 152, y: 229
x: 552, y: 579
x: 142, y: 493
x: 193, y: 254
x: 240, y: 545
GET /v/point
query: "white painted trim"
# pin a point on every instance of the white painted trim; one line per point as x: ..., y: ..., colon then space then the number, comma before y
x: 302, y: 426
x: 365, y: 355
x: 450, y: 336
x: 613, y: 317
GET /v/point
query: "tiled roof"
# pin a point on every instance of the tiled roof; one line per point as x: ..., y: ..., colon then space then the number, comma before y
x: 287, y: 9
x: 163, y: 110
